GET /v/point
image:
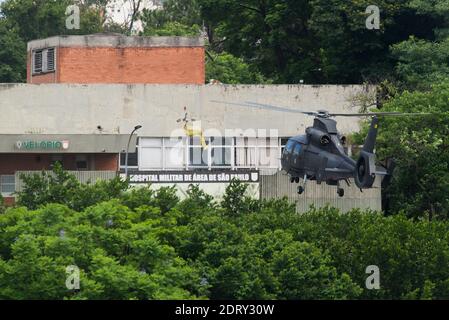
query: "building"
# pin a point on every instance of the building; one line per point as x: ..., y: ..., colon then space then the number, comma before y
x: 112, y: 58
x: 86, y: 124
x: 120, y: 11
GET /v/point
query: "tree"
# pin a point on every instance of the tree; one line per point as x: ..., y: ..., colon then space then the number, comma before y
x: 59, y: 186
x: 184, y: 12
x: 422, y: 63
x: 172, y: 28
x: 420, y: 184
x: 175, y: 18
x: 12, y: 54
x: 273, y: 35
x: 228, y: 69
x: 145, y: 244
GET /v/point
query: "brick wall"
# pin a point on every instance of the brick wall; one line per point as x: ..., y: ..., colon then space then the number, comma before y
x: 106, y: 162
x: 166, y: 65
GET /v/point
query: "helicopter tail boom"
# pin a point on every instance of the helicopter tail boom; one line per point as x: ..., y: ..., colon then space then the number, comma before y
x: 370, y: 141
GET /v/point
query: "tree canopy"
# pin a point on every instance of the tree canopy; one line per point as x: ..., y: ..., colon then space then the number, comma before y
x: 149, y: 244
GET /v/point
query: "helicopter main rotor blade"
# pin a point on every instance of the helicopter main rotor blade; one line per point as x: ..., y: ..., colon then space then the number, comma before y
x: 320, y: 113
x: 266, y: 107
x: 378, y: 114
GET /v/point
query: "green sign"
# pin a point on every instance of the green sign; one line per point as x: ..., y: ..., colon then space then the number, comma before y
x: 42, y: 145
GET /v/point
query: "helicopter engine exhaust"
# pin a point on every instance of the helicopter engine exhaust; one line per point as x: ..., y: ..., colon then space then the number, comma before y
x: 365, y: 169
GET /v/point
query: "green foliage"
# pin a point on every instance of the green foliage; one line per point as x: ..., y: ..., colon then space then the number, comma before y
x: 273, y: 35
x: 176, y: 18
x: 422, y: 63
x: 59, y: 186
x: 12, y: 54
x: 2, y: 205
x: 318, y: 41
x: 228, y: 69
x: 118, y: 255
x: 420, y: 184
x: 172, y: 28
x: 349, y: 52
x: 235, y: 201
x: 147, y: 244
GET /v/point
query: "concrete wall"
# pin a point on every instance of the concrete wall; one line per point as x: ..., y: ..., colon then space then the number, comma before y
x: 79, y: 109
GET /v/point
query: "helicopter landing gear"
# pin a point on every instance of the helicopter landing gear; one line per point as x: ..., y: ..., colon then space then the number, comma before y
x: 301, y: 189
x: 340, y: 190
x: 294, y: 179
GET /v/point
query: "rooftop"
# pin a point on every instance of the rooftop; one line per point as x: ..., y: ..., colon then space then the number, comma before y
x: 115, y: 40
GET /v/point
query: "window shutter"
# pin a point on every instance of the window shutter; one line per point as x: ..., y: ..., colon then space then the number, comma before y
x: 44, y: 60
x: 37, y: 65
x: 51, y: 59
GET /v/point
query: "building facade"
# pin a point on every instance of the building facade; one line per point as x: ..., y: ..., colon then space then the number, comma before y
x: 86, y: 124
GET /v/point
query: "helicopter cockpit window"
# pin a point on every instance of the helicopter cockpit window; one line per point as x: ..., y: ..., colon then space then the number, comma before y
x: 289, y: 145
x: 297, y: 149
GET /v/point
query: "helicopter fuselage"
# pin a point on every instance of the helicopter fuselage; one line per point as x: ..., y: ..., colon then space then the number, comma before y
x: 318, y: 155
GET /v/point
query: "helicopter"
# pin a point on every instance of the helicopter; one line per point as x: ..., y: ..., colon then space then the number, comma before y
x: 319, y: 154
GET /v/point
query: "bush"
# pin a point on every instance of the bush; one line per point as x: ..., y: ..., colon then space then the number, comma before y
x: 59, y: 186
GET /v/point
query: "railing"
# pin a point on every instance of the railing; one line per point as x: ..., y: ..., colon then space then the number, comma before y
x: 82, y: 176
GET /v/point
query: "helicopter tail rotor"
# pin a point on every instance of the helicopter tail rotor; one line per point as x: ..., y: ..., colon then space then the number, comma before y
x: 365, y: 170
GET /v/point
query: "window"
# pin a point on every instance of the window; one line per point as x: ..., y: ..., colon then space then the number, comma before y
x: 37, y: 61
x: 268, y: 152
x: 198, y: 155
x: 161, y: 153
x: 289, y: 145
x: 81, y: 162
x: 150, y: 155
x: 51, y: 59
x: 174, y: 153
x: 44, y: 60
x: 245, y: 152
x: 132, y: 158
x: 221, y: 151
x: 257, y: 152
x: 7, y: 184
x: 297, y: 149
x: 189, y: 152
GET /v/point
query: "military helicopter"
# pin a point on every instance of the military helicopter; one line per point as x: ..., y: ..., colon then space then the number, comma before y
x: 319, y: 154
